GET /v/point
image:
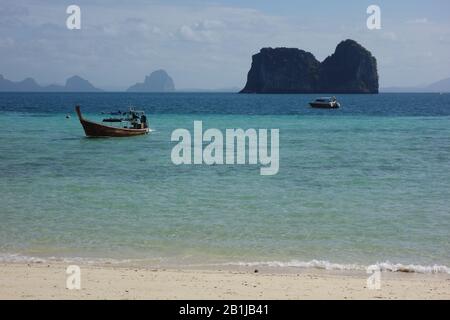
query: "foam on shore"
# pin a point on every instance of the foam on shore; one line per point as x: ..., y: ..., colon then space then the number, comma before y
x: 313, y: 264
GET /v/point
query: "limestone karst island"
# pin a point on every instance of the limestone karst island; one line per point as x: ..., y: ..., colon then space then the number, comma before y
x: 350, y: 69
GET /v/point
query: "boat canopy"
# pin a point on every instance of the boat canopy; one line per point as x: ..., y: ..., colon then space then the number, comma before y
x: 131, y: 115
x: 325, y: 99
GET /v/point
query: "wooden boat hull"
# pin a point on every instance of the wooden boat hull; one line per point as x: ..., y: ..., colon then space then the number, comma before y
x: 93, y: 129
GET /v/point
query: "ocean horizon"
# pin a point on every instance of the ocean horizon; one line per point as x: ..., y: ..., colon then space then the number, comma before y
x: 365, y: 184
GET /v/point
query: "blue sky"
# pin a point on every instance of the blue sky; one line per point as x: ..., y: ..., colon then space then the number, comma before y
x: 208, y: 44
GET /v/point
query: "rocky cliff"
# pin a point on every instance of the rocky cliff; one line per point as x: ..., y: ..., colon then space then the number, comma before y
x: 78, y: 84
x: 283, y: 70
x: 157, y: 81
x: 350, y: 69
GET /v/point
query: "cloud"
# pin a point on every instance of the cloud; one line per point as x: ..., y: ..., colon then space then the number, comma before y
x: 187, y: 33
x: 389, y: 36
x: 204, y: 31
x: 418, y: 21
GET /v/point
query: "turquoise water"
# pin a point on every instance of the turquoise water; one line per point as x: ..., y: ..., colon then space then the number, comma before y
x: 357, y: 186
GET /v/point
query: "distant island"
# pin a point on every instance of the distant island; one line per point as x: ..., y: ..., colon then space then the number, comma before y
x: 438, y: 86
x: 73, y: 84
x: 279, y: 70
x: 350, y: 69
x: 157, y: 81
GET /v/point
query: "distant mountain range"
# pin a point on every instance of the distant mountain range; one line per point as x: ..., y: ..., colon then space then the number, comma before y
x: 157, y: 81
x: 439, y: 86
x: 73, y: 84
x: 160, y: 81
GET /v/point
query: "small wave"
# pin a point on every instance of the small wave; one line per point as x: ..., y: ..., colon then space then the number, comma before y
x: 18, y: 258
x: 398, y: 267
x: 316, y: 264
x: 312, y: 264
x: 326, y: 265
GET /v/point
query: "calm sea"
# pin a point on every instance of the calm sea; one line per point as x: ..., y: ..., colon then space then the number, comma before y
x: 368, y: 183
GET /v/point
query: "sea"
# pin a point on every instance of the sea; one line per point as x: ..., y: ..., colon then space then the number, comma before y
x: 366, y: 184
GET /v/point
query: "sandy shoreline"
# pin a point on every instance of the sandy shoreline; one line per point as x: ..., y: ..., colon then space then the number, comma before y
x: 48, y: 281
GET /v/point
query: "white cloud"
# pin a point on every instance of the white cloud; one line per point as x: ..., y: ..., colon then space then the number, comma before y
x: 204, y: 31
x: 187, y: 33
x: 418, y: 21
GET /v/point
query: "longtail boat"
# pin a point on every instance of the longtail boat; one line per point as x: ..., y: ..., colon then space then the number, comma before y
x: 136, y: 124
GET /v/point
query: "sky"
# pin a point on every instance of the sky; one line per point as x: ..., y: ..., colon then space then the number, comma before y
x: 209, y: 44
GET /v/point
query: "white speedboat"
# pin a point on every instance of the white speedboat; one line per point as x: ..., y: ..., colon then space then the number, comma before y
x: 325, y: 103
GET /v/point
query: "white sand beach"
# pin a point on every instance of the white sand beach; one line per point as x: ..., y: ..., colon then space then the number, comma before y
x: 48, y: 281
